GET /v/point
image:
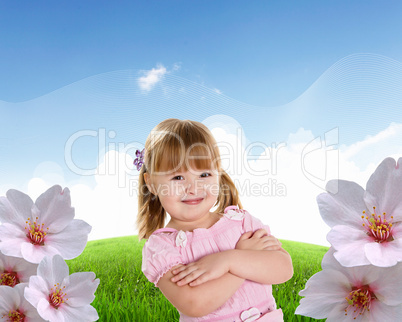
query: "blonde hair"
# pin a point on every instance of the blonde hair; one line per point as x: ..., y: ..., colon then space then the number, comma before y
x: 171, y: 146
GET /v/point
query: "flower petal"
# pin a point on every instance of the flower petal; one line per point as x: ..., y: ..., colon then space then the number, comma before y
x: 343, y: 207
x: 55, y: 208
x: 12, y: 238
x: 382, y: 280
x: 35, y: 253
x: 8, y: 214
x: 383, y: 254
x: 329, y: 261
x: 18, y: 265
x: 323, y: 290
x: 80, y: 288
x: 48, y: 312
x: 349, y: 245
x: 53, y: 270
x: 338, y: 314
x: 382, y: 312
x: 9, y: 299
x: 19, y: 288
x: 388, y: 288
x: 31, y: 314
x: 79, y: 314
x: 25, y: 307
x: 37, y: 289
x: 384, y: 188
x: 22, y: 204
x: 357, y: 276
x: 75, y: 235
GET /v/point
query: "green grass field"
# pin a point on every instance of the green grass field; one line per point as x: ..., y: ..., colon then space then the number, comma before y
x: 124, y: 294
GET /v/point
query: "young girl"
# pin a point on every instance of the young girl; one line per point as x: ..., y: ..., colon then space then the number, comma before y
x: 211, y: 265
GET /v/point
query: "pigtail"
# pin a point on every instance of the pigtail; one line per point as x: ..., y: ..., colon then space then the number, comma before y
x: 228, y: 194
x: 151, y: 215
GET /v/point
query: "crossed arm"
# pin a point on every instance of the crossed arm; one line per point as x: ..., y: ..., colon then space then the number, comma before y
x: 257, y: 257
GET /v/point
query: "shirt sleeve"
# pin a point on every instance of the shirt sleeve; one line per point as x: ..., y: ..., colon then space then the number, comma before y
x: 159, y: 255
x: 251, y: 223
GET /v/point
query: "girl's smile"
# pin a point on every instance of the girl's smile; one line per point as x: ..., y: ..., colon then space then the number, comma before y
x: 194, y: 201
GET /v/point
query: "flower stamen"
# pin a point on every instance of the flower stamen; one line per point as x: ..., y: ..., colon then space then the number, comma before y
x: 15, y: 316
x: 9, y: 279
x: 378, y: 226
x: 359, y: 300
x: 57, y: 296
x: 36, y: 232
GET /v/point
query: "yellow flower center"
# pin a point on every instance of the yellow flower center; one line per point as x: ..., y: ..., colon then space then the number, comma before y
x: 57, y: 296
x: 378, y: 226
x: 36, y: 232
x: 359, y: 300
x: 14, y: 316
x: 9, y: 279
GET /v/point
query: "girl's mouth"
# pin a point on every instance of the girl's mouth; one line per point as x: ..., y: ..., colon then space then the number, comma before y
x: 194, y: 201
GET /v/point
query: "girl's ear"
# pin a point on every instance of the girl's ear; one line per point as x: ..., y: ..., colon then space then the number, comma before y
x: 149, y: 183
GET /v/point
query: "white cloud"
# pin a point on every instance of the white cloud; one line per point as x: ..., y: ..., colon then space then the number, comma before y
x: 152, y: 77
x: 111, y: 206
x: 217, y: 91
x: 273, y: 187
x: 368, y: 153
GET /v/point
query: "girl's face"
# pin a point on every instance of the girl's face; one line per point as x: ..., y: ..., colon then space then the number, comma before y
x: 187, y: 196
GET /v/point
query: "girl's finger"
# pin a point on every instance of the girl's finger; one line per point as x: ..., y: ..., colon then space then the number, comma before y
x: 177, y: 269
x: 187, y: 271
x: 200, y: 280
x: 260, y: 233
x: 190, y: 278
x: 268, y: 240
x: 246, y: 235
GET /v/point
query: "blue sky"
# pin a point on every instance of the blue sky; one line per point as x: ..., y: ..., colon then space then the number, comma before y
x: 83, y: 78
x: 264, y: 53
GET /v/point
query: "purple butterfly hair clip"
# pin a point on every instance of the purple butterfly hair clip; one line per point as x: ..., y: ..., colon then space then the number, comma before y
x: 139, y: 161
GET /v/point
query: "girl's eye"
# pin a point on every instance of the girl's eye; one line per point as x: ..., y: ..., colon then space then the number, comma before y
x: 205, y: 174
x: 178, y: 178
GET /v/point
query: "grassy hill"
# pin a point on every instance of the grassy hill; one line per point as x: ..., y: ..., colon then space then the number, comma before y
x: 124, y: 294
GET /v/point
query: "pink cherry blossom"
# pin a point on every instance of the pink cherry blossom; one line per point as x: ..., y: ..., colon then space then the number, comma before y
x: 15, y: 270
x: 60, y: 297
x: 362, y: 293
x: 366, y: 225
x: 46, y: 227
x: 14, y: 307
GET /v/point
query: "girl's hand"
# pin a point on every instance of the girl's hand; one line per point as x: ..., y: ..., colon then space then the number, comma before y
x: 258, y: 240
x: 207, y: 268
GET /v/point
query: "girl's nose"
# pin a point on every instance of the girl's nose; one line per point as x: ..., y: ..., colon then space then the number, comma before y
x: 193, y: 185
x: 191, y: 188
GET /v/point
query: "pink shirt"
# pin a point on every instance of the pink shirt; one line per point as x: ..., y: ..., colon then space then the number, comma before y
x: 168, y: 247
